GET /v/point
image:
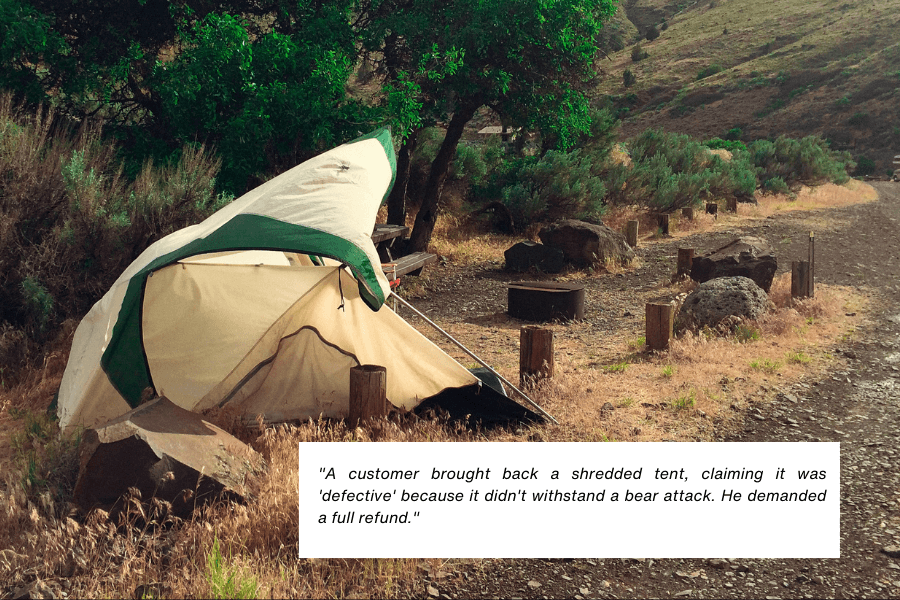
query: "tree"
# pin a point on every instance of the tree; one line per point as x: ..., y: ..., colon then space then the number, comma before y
x: 527, y: 60
x: 262, y: 80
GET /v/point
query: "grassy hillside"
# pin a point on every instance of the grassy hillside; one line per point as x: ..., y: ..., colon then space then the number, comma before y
x: 792, y: 67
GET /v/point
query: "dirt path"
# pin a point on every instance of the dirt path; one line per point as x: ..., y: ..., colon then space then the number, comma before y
x: 858, y: 406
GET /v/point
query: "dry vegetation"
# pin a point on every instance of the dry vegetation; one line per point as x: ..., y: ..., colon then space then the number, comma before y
x: 698, y: 390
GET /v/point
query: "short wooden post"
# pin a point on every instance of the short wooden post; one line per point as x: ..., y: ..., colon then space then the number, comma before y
x: 731, y: 205
x: 713, y: 209
x: 631, y: 233
x: 660, y: 319
x: 688, y: 213
x: 685, y: 261
x: 535, y: 354
x: 367, y: 393
x: 801, y: 279
x: 664, y: 224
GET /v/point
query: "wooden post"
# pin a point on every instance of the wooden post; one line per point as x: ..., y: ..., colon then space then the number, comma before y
x: 713, y: 209
x: 631, y: 233
x: 660, y: 319
x: 812, y: 264
x: 688, y: 213
x: 367, y: 393
x: 731, y: 205
x: 535, y: 354
x: 801, y: 279
x: 664, y: 224
x: 685, y: 261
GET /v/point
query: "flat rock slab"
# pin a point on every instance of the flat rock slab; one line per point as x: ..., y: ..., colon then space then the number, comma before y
x: 748, y: 256
x: 164, y: 451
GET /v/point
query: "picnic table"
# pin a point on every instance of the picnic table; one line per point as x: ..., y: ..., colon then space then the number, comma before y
x: 384, y: 236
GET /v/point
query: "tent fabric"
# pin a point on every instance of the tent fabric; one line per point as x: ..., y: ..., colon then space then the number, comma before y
x: 264, y: 307
x: 323, y: 207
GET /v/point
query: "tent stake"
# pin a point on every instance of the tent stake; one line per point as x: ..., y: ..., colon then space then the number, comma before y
x: 472, y: 354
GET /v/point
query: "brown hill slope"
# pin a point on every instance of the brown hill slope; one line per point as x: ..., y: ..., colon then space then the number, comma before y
x: 792, y: 67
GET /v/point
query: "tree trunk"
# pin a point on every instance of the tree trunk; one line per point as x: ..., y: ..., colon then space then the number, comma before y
x: 427, y: 215
x: 396, y: 202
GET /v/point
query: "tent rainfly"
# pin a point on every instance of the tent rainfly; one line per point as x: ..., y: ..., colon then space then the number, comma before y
x: 264, y: 307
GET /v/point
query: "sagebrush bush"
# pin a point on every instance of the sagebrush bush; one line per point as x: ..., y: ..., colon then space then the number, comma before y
x: 808, y: 160
x: 70, y: 222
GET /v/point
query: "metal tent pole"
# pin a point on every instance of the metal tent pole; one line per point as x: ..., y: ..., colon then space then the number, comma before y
x: 472, y: 354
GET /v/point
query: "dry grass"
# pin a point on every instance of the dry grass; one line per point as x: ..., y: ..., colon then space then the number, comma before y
x: 606, y: 388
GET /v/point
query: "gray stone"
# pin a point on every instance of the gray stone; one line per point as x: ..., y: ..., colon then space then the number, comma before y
x: 721, y: 299
x: 892, y: 551
x: 160, y: 450
x: 586, y: 244
x: 750, y: 257
x: 525, y: 255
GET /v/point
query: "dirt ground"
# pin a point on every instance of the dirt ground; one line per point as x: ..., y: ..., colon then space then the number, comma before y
x: 856, y: 405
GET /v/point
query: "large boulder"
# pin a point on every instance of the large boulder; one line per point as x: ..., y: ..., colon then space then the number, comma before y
x: 164, y: 451
x: 750, y: 257
x: 528, y: 254
x: 722, y: 298
x: 585, y: 244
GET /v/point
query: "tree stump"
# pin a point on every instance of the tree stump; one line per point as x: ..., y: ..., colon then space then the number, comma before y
x: 685, y: 261
x: 535, y: 354
x: 731, y: 205
x: 688, y: 213
x: 659, y: 322
x: 631, y: 233
x: 367, y: 393
x: 712, y: 209
x: 664, y: 224
x: 801, y: 279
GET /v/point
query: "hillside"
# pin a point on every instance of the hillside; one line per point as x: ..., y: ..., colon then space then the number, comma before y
x: 786, y: 67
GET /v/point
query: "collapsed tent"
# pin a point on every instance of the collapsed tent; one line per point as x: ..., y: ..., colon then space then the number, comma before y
x: 264, y: 307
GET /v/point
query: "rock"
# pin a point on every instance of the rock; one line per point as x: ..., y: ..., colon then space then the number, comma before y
x: 433, y: 591
x: 750, y: 257
x: 585, y: 244
x: 534, y: 584
x: 525, y: 255
x: 159, y: 449
x: 720, y: 299
x: 892, y: 551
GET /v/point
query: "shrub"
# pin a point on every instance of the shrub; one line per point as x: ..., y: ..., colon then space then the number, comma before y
x: 808, y: 160
x: 664, y: 25
x: 864, y: 166
x: 776, y: 185
x: 652, y: 33
x: 554, y: 186
x: 859, y: 119
x: 730, y: 145
x: 628, y: 78
x: 72, y: 222
x: 638, y: 54
x: 710, y: 70
x: 734, y: 134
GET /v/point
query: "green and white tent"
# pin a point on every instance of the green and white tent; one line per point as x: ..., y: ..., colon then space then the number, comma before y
x: 265, y: 306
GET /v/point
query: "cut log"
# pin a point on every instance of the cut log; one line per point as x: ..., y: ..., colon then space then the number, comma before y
x: 712, y: 208
x: 685, y: 261
x: 660, y: 318
x: 631, y: 233
x: 368, y: 385
x: 664, y: 224
x: 535, y: 354
x: 545, y: 301
x: 731, y: 205
x: 688, y: 213
x: 801, y: 279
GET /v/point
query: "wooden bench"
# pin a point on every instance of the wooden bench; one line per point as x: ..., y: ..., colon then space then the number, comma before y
x: 384, y: 237
x: 412, y: 264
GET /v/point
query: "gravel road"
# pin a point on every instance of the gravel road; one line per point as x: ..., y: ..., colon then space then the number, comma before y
x: 858, y: 406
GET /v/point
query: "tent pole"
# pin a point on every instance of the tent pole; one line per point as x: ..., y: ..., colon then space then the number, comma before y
x: 472, y: 354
